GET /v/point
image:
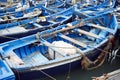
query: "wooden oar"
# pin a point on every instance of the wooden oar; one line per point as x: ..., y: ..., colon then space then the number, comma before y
x: 64, y: 29
x: 87, y: 33
x: 101, y: 27
x: 73, y: 40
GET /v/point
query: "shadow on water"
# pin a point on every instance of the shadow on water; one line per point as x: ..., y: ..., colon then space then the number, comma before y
x: 80, y: 74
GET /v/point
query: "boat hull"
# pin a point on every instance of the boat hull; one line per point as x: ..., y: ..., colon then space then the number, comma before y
x: 5, y: 71
x: 38, y: 73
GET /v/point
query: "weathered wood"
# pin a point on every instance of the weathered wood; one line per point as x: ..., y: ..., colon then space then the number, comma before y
x: 74, y: 41
x: 115, y: 75
x: 39, y: 26
x: 87, y: 33
x: 97, y: 26
x: 64, y: 29
x: 100, y: 27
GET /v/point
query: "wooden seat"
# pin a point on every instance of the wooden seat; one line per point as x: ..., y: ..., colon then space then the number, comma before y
x: 73, y: 41
x: 14, y: 59
x: 87, y: 33
x: 100, y: 27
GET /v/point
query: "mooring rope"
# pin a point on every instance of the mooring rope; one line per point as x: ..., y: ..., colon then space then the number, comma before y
x: 48, y: 75
x: 69, y: 71
x: 87, y: 62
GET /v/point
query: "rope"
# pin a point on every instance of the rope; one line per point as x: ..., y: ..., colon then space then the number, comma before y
x: 69, y: 71
x: 87, y: 62
x: 98, y: 64
x: 48, y: 75
x: 17, y: 74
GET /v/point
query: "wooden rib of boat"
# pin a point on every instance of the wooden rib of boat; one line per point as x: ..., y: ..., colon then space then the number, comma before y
x: 33, y: 25
x: 5, y: 71
x: 53, y: 51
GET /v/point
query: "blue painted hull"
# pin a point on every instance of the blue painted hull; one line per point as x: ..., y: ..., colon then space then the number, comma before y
x: 17, y: 13
x: 5, y: 71
x: 62, y: 69
x: 37, y: 74
x: 67, y: 15
x: 31, y: 51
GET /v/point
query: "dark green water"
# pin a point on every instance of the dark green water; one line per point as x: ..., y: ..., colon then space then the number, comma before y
x: 80, y: 74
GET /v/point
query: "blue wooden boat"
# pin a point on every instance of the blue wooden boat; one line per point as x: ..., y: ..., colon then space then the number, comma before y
x: 35, y: 11
x: 58, y: 9
x: 37, y: 55
x: 9, y: 6
x: 104, y: 5
x: 21, y: 15
x: 33, y: 25
x: 5, y: 71
x: 22, y: 7
x: 22, y: 11
x: 95, y: 10
x: 57, y: 5
x: 54, y: 3
x: 3, y: 1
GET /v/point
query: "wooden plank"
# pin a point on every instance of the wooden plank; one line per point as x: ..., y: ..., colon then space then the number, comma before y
x: 65, y: 29
x: 73, y: 40
x: 100, y: 27
x: 37, y: 25
x: 97, y: 26
x: 87, y: 33
x: 112, y: 75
